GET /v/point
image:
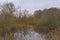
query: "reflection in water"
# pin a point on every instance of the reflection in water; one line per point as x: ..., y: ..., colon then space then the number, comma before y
x: 32, y: 35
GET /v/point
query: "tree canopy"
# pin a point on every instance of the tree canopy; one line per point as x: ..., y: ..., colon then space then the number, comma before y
x: 41, y: 20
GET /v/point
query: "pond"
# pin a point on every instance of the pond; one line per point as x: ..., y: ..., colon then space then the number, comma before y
x: 31, y: 35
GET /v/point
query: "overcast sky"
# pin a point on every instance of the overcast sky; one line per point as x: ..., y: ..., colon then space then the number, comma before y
x: 32, y: 5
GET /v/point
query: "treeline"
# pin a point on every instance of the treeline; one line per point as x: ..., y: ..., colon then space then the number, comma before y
x: 49, y: 19
x: 12, y: 19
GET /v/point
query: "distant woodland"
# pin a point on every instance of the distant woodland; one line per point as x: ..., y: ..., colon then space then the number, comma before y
x: 12, y: 19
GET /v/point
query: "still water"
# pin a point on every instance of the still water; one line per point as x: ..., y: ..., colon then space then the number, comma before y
x: 31, y: 35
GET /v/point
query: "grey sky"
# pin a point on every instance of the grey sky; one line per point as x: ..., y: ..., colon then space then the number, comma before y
x: 32, y: 5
